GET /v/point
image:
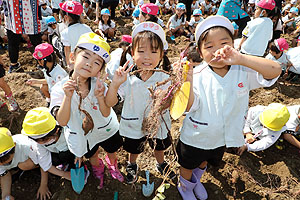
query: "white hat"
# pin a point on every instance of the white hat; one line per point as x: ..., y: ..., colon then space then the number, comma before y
x: 210, y: 22
x: 251, y: 1
x: 154, y: 28
x: 293, y: 1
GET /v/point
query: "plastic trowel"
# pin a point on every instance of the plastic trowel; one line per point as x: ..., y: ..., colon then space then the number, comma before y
x: 77, y: 178
x: 149, y: 188
x: 181, y: 97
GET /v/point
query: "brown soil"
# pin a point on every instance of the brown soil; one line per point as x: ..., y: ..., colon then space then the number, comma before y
x: 271, y: 174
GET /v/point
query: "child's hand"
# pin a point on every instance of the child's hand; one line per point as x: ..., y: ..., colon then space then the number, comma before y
x: 69, y: 87
x: 30, y: 82
x: 79, y: 160
x: 43, y: 193
x: 249, y: 138
x: 100, y: 88
x: 225, y: 56
x: 242, y: 149
x: 120, y: 75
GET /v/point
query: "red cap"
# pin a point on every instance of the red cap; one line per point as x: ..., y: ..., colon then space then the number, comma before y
x: 42, y: 50
x: 266, y: 4
x: 281, y: 44
x: 150, y: 8
x: 127, y: 38
x: 72, y: 7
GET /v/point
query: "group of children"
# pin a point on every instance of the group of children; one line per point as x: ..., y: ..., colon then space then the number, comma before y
x: 80, y: 117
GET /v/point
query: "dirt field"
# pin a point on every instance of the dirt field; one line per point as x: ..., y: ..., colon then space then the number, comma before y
x: 271, y: 174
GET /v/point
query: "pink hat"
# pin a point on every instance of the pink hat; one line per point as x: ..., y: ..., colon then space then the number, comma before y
x: 42, y: 50
x: 281, y: 44
x: 150, y: 8
x: 127, y: 38
x: 72, y: 7
x: 266, y: 4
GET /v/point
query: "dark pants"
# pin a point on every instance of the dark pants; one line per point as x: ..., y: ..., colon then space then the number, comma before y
x: 14, y: 41
x: 112, y: 7
x: 242, y: 23
x: 188, y: 4
x: 63, y: 157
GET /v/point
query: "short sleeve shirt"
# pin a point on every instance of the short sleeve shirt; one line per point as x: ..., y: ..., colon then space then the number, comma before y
x: 57, y: 74
x: 103, y: 27
x: 175, y: 23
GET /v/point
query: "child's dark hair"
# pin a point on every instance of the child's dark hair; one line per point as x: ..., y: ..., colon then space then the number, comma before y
x: 52, y: 133
x: 181, y: 18
x: 270, y: 13
x: 108, y: 21
x: 156, y: 44
x: 74, y: 18
x: 276, y: 13
x: 152, y: 18
x: 193, y: 54
x: 274, y: 48
x: 124, y: 53
x: 87, y: 1
x: 6, y: 157
x: 205, y: 33
x: 79, y: 49
x: 124, y: 43
x: 50, y: 58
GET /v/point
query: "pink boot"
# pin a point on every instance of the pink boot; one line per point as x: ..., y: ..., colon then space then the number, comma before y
x: 199, y: 189
x: 186, y: 188
x: 2, y: 102
x: 98, y: 172
x: 13, y: 105
x: 113, y: 169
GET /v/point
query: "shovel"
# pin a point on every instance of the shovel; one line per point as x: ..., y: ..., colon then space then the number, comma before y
x: 77, y: 178
x: 148, y: 189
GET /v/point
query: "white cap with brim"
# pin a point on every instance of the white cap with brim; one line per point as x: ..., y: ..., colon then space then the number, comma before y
x: 153, y: 27
x: 210, y: 22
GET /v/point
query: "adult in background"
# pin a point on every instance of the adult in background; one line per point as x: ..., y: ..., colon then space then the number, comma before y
x: 232, y: 9
x: 188, y: 4
x: 21, y: 18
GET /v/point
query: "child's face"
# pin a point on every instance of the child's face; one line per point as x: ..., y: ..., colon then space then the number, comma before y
x: 197, y: 17
x: 291, y: 15
x: 8, y: 162
x: 142, y: 18
x: 273, y: 53
x: 87, y: 64
x: 86, y: 5
x: 258, y: 11
x: 127, y: 1
x: 179, y: 12
x: 161, y: 1
x: 145, y: 57
x: 215, y: 39
x: 105, y: 18
x: 44, y: 6
x: 53, y: 26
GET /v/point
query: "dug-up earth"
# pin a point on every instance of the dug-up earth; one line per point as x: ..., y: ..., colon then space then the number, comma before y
x: 270, y: 174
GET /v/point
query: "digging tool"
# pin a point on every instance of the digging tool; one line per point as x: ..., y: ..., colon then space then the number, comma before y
x: 77, y: 178
x: 116, y: 196
x: 148, y: 189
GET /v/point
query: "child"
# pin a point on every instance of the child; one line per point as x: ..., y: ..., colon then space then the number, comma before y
x: 70, y: 12
x: 177, y: 22
x: 197, y: 18
x: 148, y: 45
x: 195, y: 5
x: 136, y: 21
x: 171, y: 6
x: 149, y: 13
x: 45, y: 10
x: 56, y: 9
x: 16, y: 151
x: 263, y: 126
x: 259, y: 31
x: 52, y: 71
x: 289, y: 20
x: 127, y: 8
x: 276, y: 53
x: 107, y: 27
x: 114, y: 64
x: 219, y: 93
x: 206, y: 7
x: 294, y: 69
x: 87, y: 9
x: 13, y: 105
x: 78, y: 104
x: 161, y: 6
x: 50, y: 145
x: 52, y: 28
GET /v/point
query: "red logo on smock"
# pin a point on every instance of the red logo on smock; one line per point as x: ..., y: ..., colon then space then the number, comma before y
x: 240, y: 85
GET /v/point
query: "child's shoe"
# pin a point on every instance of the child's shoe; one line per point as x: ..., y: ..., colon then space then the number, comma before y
x: 113, y: 169
x: 163, y: 168
x: 186, y: 188
x: 13, y: 105
x: 98, y: 172
x: 199, y: 189
x: 132, y: 171
x: 2, y: 102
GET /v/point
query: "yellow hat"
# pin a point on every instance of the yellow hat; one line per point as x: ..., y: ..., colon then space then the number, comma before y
x: 6, y: 141
x: 275, y: 116
x: 96, y: 44
x: 38, y: 122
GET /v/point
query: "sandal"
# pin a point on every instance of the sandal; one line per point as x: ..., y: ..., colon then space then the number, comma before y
x: 98, y: 172
x: 113, y: 169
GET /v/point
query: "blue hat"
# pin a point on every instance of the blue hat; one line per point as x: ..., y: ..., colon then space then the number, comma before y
x: 105, y: 11
x: 180, y: 6
x: 294, y: 10
x: 235, y: 26
x: 50, y: 20
x: 136, y: 12
x: 197, y: 12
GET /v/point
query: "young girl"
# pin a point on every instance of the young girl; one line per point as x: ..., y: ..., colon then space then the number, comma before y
x: 79, y: 106
x: 259, y: 31
x: 70, y: 12
x: 218, y: 102
x: 13, y: 105
x: 177, y: 22
x: 170, y: 6
x: 196, y: 19
x: 107, y: 27
x: 148, y: 47
x: 52, y: 71
x: 127, y: 8
x: 206, y: 7
x: 149, y: 13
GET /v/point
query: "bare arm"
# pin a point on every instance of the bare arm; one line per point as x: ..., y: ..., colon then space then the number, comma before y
x: 33, y: 81
x: 6, y: 185
x: 67, y: 50
x: 43, y: 191
x: 57, y: 172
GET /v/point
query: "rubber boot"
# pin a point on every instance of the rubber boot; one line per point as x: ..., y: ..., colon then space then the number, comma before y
x: 199, y: 189
x: 186, y: 188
